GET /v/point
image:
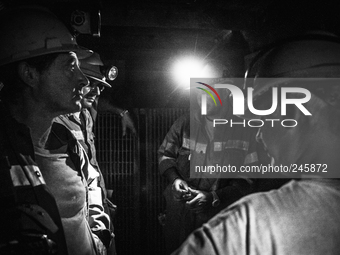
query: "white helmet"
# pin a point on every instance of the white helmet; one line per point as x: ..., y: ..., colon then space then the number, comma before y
x: 29, y: 32
x: 91, y: 67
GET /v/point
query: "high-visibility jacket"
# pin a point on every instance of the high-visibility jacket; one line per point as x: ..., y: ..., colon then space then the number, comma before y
x: 234, y: 146
x: 29, y: 216
x: 182, y: 150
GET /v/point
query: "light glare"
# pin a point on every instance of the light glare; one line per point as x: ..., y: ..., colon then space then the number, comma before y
x: 187, y: 68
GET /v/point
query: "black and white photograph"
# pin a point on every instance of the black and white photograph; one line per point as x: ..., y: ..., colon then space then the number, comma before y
x: 169, y: 127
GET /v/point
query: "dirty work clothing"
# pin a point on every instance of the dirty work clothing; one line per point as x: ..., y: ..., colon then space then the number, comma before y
x: 69, y: 174
x: 234, y: 146
x: 68, y: 184
x: 73, y: 129
x: 28, y: 207
x: 81, y: 129
x: 300, y: 218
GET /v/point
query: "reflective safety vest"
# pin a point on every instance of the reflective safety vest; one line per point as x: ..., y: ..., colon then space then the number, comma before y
x: 230, y: 146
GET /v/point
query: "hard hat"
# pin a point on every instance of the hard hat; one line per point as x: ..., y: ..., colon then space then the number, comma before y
x: 91, y: 67
x: 314, y: 56
x: 28, y: 32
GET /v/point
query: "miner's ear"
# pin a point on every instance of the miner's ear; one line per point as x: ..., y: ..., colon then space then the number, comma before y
x: 333, y: 96
x: 294, y: 114
x: 28, y: 74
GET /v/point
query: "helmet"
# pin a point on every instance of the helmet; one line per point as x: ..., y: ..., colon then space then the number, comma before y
x: 315, y: 56
x: 91, y: 67
x: 32, y: 31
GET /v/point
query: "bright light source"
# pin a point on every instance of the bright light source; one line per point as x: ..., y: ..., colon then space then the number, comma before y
x: 186, y: 68
x: 193, y: 67
x: 112, y: 73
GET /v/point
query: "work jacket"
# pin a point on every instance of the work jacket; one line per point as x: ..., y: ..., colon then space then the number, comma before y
x: 81, y: 128
x: 231, y: 146
x: 188, y: 145
x: 30, y: 222
x: 77, y: 135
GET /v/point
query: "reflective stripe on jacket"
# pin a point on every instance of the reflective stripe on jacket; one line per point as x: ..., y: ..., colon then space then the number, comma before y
x: 230, y: 146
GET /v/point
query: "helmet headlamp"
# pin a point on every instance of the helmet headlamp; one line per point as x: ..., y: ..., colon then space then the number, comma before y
x: 110, y: 72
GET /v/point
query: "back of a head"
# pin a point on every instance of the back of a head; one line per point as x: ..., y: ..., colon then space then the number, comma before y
x: 313, y: 55
x: 305, y: 72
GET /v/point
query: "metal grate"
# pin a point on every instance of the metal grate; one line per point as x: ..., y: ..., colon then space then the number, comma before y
x: 129, y: 165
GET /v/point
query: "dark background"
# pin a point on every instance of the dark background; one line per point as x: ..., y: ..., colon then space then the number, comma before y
x: 144, y: 37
